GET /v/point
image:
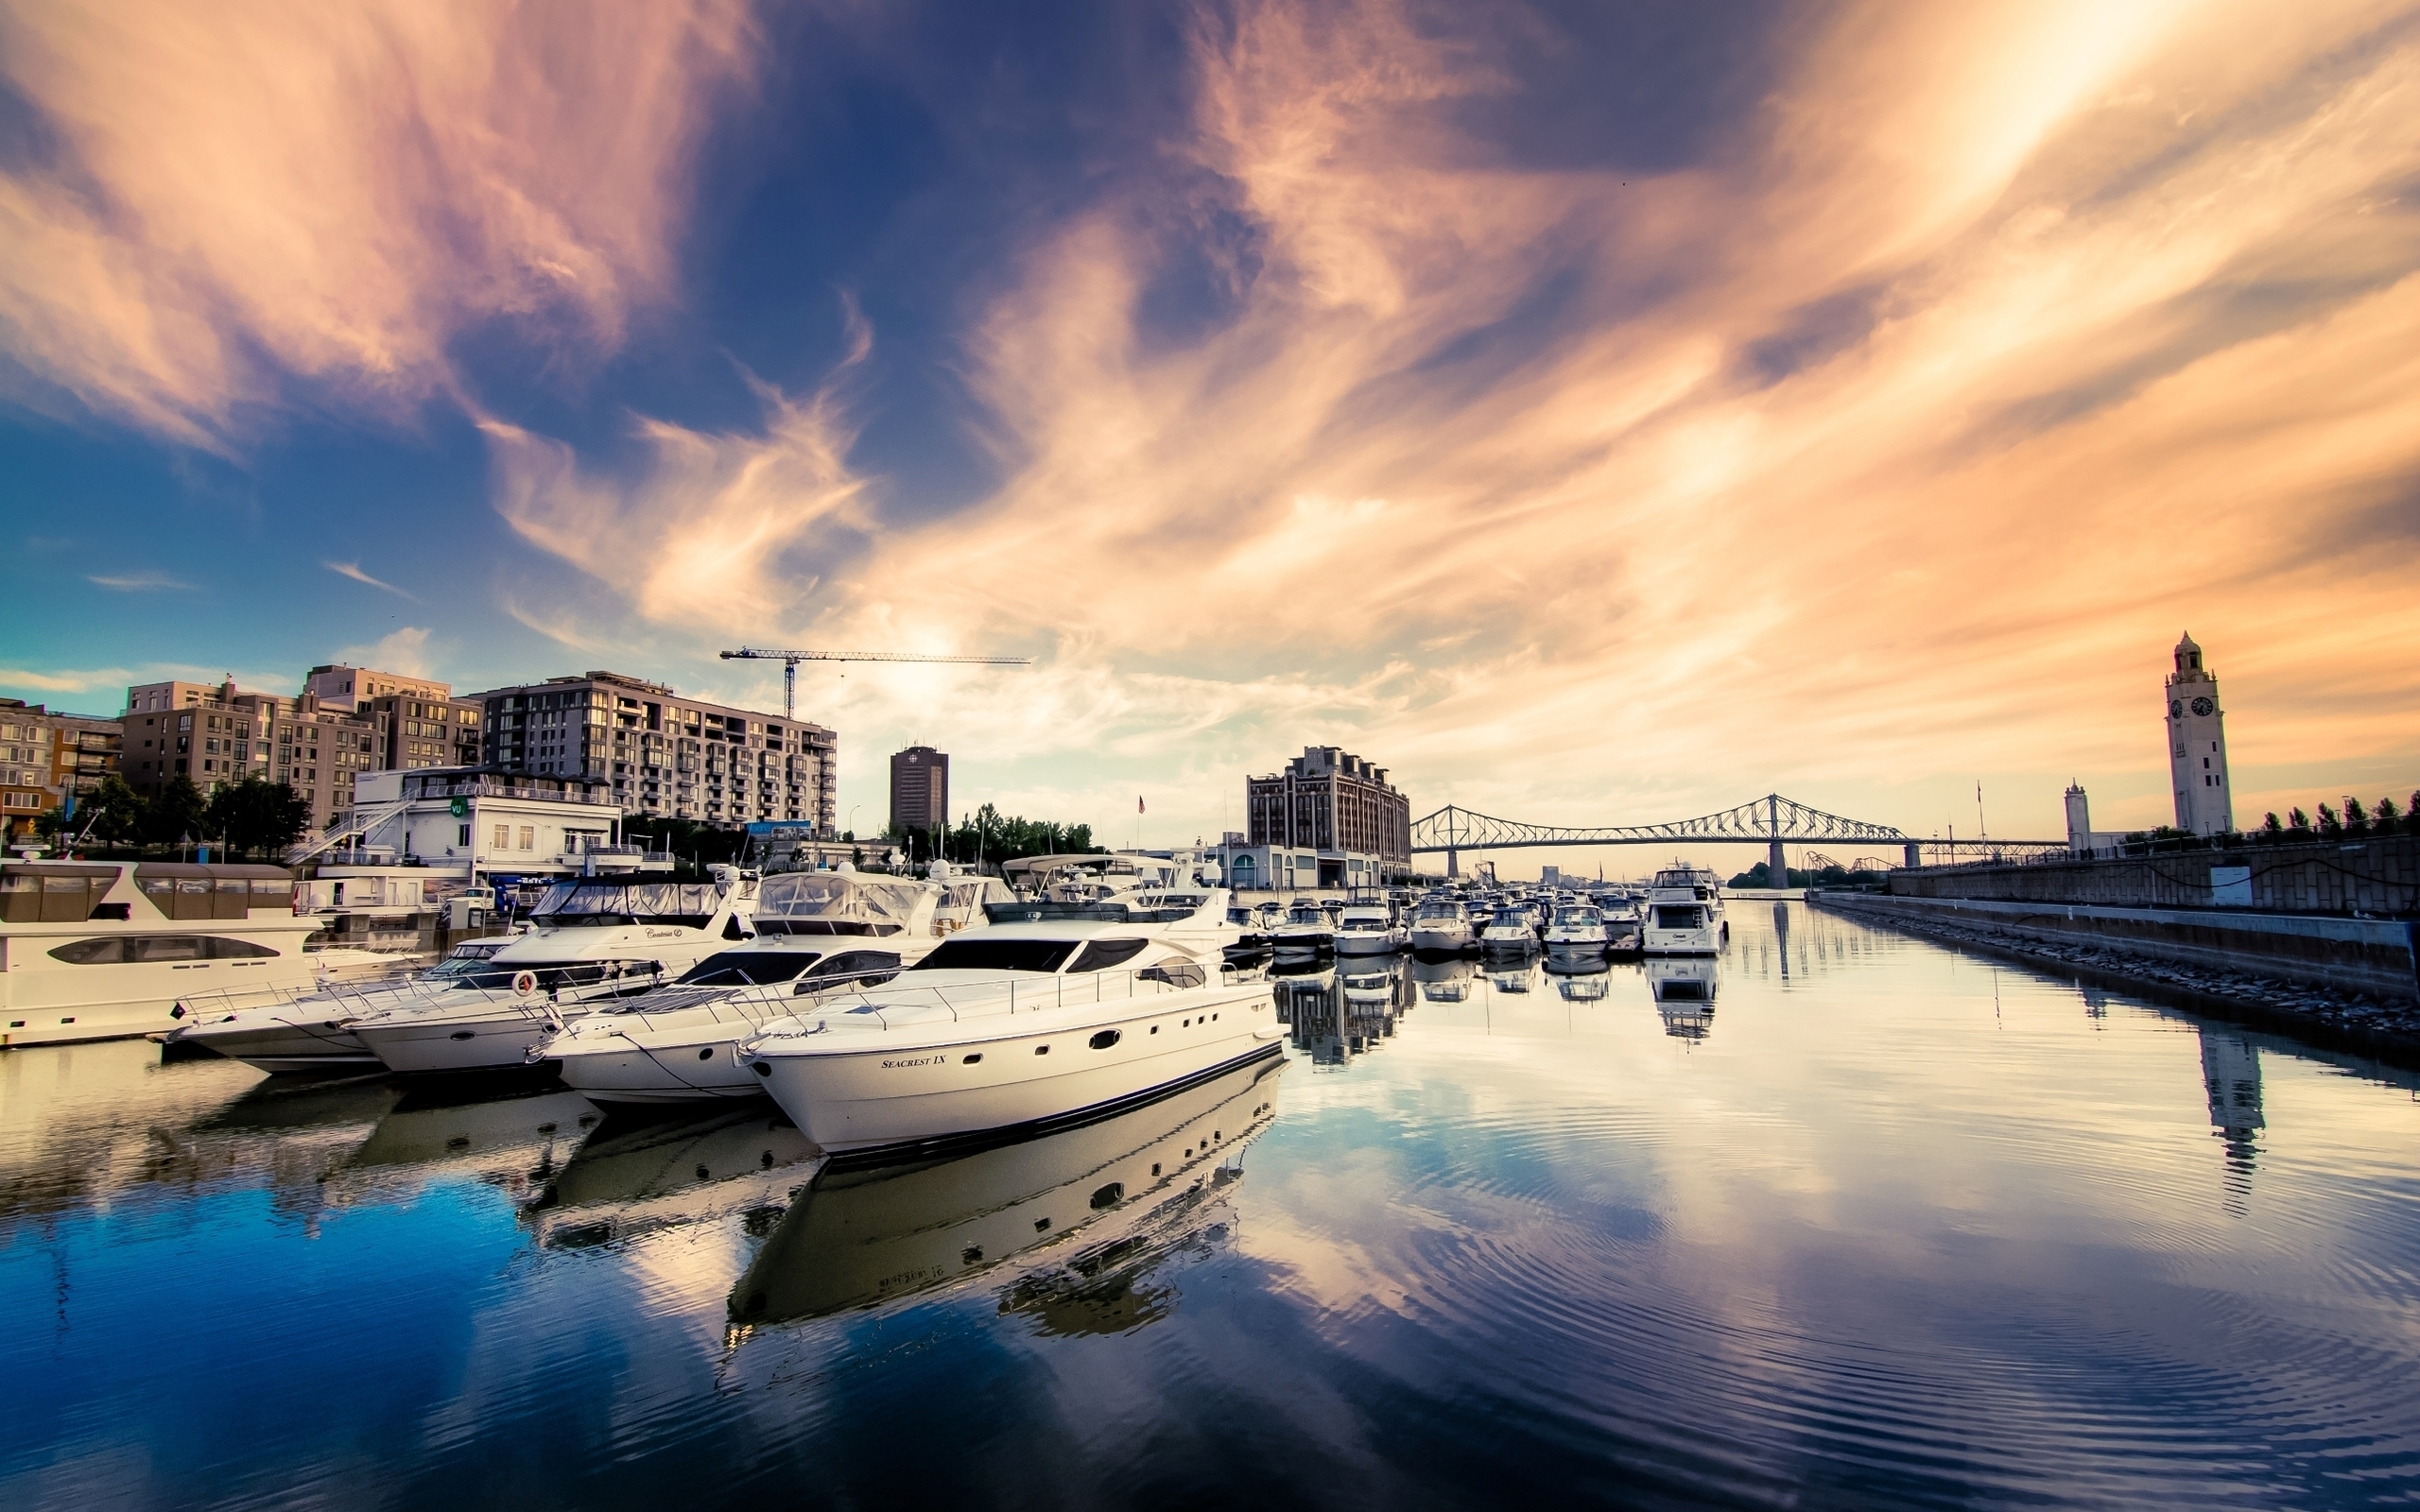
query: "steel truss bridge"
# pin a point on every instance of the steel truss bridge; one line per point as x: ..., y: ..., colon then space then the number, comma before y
x: 1773, y: 821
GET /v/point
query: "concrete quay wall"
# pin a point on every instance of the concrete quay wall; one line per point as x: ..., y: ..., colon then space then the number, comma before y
x: 2376, y: 874
x: 2371, y: 956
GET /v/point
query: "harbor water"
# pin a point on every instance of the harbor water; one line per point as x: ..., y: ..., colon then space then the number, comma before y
x: 1840, y: 1219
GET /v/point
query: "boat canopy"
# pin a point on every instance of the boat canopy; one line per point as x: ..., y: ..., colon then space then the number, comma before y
x: 841, y: 902
x: 593, y: 904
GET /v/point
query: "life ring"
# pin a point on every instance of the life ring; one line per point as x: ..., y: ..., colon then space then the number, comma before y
x: 524, y: 983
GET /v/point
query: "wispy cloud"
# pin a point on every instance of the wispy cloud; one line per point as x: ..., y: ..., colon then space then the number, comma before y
x: 138, y: 582
x: 331, y: 193
x: 352, y: 570
x: 405, y: 650
x: 58, y: 682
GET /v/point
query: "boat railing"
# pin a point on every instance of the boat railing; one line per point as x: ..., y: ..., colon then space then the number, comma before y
x: 1026, y: 991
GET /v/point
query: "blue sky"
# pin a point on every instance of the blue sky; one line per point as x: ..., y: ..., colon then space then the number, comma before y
x: 1596, y: 413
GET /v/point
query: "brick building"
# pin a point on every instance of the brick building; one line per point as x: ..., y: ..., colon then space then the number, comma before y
x: 47, y: 756
x: 1330, y: 800
x: 223, y: 736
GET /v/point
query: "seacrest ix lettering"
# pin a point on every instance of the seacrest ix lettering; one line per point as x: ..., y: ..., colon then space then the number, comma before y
x: 920, y: 1060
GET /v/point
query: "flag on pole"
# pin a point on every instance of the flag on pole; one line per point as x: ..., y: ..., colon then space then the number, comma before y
x: 1138, y: 802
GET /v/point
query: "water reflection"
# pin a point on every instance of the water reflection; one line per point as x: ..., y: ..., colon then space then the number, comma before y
x: 1088, y: 1211
x: 644, y: 1173
x: 1338, y: 1014
x: 1442, y: 978
x: 1683, y: 988
x: 2231, y: 1075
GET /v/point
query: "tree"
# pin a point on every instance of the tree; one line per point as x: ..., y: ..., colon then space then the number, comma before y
x: 2298, y: 820
x: 990, y: 837
x: 2387, y: 815
x: 176, y: 816
x: 2329, y: 824
x: 113, y: 813
x: 2356, y: 819
x: 2270, y: 827
x: 257, y: 815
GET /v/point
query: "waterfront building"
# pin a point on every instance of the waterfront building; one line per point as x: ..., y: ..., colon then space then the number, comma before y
x: 662, y: 754
x: 475, y: 823
x: 48, y: 756
x: 919, y: 790
x: 222, y: 735
x: 2197, y: 745
x: 419, y: 729
x: 2082, y: 839
x: 1330, y: 800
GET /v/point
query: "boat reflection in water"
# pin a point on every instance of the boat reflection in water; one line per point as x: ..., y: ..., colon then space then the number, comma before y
x: 1579, y: 979
x: 1086, y: 1211
x: 510, y: 1143
x: 1442, y: 978
x: 1683, y: 987
x: 1336, y: 1016
x: 636, y: 1175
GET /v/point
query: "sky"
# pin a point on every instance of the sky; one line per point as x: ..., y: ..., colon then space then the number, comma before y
x: 1594, y: 413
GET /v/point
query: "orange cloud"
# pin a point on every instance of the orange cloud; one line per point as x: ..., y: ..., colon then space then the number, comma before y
x: 332, y: 192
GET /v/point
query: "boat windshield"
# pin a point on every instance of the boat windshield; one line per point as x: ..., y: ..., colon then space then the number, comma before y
x: 1510, y: 918
x: 1306, y: 913
x: 601, y: 904
x: 974, y: 953
x: 838, y: 902
x: 1364, y: 921
x: 1440, y: 908
x: 748, y: 968
x: 1578, y: 916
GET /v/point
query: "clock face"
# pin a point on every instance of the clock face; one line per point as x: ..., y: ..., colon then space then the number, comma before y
x: 2175, y: 709
x: 2204, y: 707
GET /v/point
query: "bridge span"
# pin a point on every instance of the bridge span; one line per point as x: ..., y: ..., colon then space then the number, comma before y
x: 1772, y: 821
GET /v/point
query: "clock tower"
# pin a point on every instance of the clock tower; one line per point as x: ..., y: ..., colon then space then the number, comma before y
x: 2197, y: 745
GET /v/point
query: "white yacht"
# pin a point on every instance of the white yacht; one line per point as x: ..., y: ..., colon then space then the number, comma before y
x: 1369, y: 929
x: 590, y: 941
x: 1511, y: 927
x: 1624, y: 923
x: 1440, y: 923
x: 1306, y: 927
x: 103, y: 950
x: 1009, y: 1029
x: 1577, y: 927
x: 814, y: 931
x: 306, y: 1031
x: 1684, y: 913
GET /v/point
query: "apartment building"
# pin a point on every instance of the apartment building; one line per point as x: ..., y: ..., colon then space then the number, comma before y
x: 665, y: 755
x: 1330, y: 800
x: 48, y: 756
x: 223, y: 734
x: 419, y: 729
x: 339, y: 686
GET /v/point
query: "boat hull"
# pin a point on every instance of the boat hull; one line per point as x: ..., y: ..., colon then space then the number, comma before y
x: 282, y: 1043
x: 631, y: 1072
x: 431, y: 1044
x: 1368, y: 942
x: 850, y: 1099
x: 1448, y: 938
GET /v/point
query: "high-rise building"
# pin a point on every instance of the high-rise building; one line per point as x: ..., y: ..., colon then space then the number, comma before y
x: 919, y: 789
x: 665, y: 755
x: 2197, y: 745
x: 1330, y: 800
x: 419, y: 729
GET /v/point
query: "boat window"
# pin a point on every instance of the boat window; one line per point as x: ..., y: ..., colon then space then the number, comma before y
x: 599, y: 905
x: 91, y: 952
x: 747, y: 967
x: 1101, y: 955
x: 1686, y: 916
x: 164, y: 948
x: 1177, y: 973
x: 972, y: 954
x: 837, y: 903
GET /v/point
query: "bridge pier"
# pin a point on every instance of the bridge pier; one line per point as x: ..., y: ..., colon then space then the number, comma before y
x: 1915, y: 855
x: 1777, y: 866
x: 1454, y: 863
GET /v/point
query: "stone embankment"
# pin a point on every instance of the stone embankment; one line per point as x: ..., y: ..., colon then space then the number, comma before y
x: 2154, y: 955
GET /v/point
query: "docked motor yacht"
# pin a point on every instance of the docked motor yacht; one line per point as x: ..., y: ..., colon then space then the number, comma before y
x: 308, y: 1031
x: 1307, y: 927
x: 102, y: 950
x: 1577, y: 927
x: 1440, y: 923
x: 1624, y: 926
x: 1012, y: 1028
x: 1511, y: 927
x: 1684, y: 913
x: 1369, y: 929
x: 590, y: 941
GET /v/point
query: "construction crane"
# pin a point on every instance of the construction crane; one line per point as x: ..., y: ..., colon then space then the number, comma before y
x: 789, y: 660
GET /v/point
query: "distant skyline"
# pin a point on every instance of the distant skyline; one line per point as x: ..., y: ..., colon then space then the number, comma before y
x: 1592, y: 413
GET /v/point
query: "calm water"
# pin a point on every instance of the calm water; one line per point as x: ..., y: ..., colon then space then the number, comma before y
x: 1879, y: 1225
